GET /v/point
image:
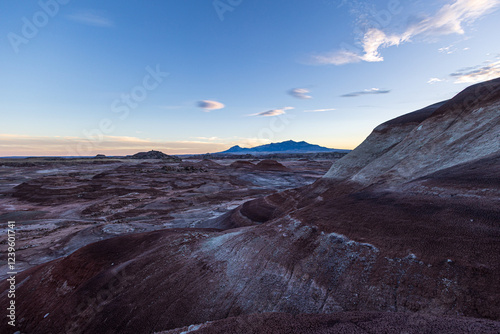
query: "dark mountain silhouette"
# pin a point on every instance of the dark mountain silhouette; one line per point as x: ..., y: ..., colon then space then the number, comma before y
x: 289, y: 146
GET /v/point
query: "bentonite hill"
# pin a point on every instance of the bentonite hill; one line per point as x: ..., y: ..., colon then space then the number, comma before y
x: 154, y: 155
x: 402, y: 235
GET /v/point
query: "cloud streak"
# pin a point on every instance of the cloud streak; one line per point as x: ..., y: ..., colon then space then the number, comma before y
x: 273, y: 112
x: 478, y: 73
x: 434, y: 80
x: 371, y: 91
x: 449, y: 19
x: 91, y: 19
x: 300, y: 93
x: 208, y: 105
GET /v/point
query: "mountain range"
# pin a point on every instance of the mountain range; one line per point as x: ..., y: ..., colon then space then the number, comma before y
x: 289, y: 146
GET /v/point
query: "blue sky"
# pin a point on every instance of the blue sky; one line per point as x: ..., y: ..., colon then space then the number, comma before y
x: 188, y: 76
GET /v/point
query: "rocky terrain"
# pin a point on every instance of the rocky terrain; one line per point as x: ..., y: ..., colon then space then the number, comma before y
x: 61, y: 205
x: 402, y: 235
x: 342, y: 322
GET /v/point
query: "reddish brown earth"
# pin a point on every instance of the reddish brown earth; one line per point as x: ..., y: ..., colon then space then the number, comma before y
x: 272, y: 165
x: 401, y: 236
x: 150, y: 155
x: 345, y: 322
x: 61, y: 206
x: 243, y: 164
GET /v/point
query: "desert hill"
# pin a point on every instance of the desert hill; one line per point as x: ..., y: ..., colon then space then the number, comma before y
x: 458, y: 131
x: 154, y: 155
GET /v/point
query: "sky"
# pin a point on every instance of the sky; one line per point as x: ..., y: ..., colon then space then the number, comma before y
x: 189, y: 76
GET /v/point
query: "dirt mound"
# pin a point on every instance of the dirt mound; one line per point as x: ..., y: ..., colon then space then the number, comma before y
x: 270, y: 165
x: 156, y: 155
x: 242, y: 164
x: 205, y: 163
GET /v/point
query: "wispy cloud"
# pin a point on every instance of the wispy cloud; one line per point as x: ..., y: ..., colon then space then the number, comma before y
x: 371, y: 91
x: 208, y: 105
x: 208, y: 138
x: 449, y: 19
x: 320, y: 110
x: 300, y: 93
x: 450, y: 49
x: 447, y: 49
x: 434, y: 80
x: 91, y: 18
x: 488, y: 71
x: 339, y: 57
x: 273, y: 112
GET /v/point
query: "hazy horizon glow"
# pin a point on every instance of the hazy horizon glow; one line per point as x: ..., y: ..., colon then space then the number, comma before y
x: 187, y: 77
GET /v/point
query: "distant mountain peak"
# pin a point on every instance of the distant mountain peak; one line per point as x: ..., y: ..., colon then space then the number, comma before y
x: 289, y: 146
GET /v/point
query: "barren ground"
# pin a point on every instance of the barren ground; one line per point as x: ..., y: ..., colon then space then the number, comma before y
x: 61, y: 206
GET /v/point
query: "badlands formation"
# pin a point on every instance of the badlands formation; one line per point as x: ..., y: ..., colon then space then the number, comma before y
x: 402, y: 235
